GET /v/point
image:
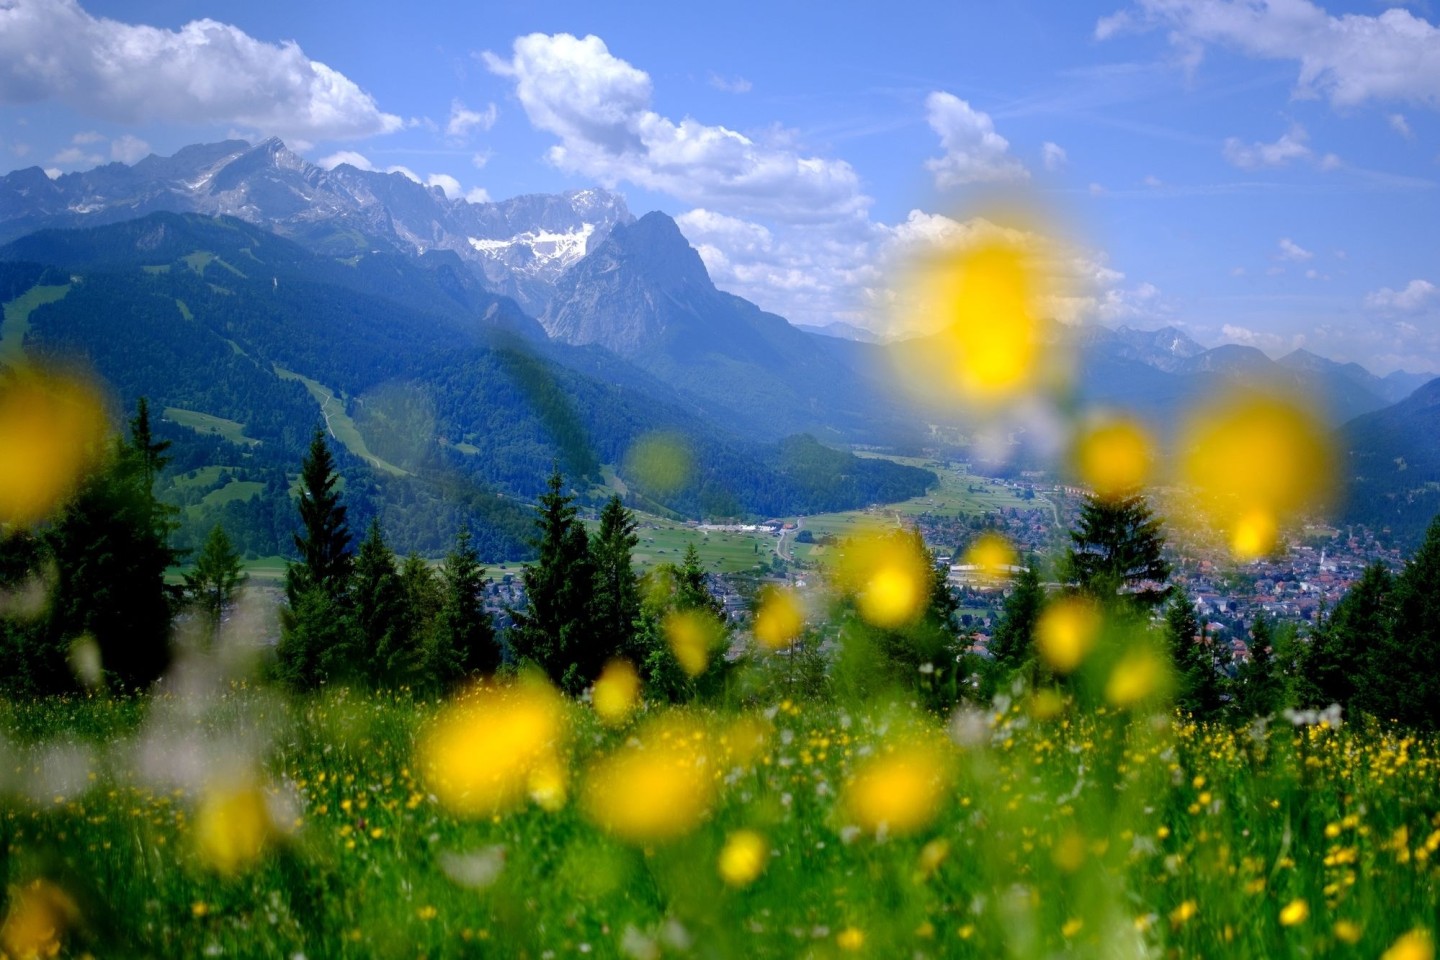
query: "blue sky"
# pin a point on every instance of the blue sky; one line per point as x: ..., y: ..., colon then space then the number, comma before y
x: 1255, y: 172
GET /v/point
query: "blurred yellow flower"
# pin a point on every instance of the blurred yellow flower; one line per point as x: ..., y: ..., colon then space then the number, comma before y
x: 993, y: 554
x: 779, y: 619
x: 694, y: 636
x: 1256, y: 460
x: 232, y: 827
x: 36, y: 921
x: 1182, y: 914
x: 1113, y: 457
x: 659, y: 463
x: 985, y: 301
x: 1295, y: 912
x: 52, y: 429
x: 889, y: 576
x: 1415, y: 945
x: 1348, y: 931
x: 657, y: 787
x: 743, y: 858
x: 1137, y: 677
x: 495, y: 745
x: 1066, y: 632
x: 899, y: 792
x: 616, y: 693
x: 850, y: 939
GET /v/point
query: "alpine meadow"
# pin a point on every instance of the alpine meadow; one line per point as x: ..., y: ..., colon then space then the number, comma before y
x: 671, y: 481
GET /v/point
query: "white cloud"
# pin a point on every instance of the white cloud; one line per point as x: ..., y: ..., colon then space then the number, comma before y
x: 1153, y: 182
x: 205, y: 73
x: 735, y: 84
x: 974, y: 152
x: 76, y: 157
x: 1097, y: 190
x: 89, y: 136
x: 1290, y: 146
x: 448, y: 185
x: 1400, y: 125
x: 1417, y: 293
x: 357, y: 160
x: 1053, y: 156
x: 1350, y: 59
x: 128, y: 149
x: 464, y: 121
x: 53, y: 172
x: 478, y: 195
x: 1292, y: 251
x: 407, y: 173
x: 599, y: 107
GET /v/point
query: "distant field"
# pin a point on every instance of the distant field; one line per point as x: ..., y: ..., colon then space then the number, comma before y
x: 950, y: 498
x: 16, y: 321
x: 206, y: 423
x: 341, y: 427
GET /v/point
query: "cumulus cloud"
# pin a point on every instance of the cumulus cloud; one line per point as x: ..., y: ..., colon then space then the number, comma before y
x: 974, y: 152
x: 1274, y: 343
x: 599, y: 106
x: 128, y: 149
x: 1349, y: 59
x: 448, y: 185
x: 1400, y: 125
x: 464, y: 121
x: 1053, y: 156
x: 1292, y: 251
x: 735, y: 84
x: 1291, y: 146
x: 76, y: 156
x: 205, y: 73
x: 1416, y: 294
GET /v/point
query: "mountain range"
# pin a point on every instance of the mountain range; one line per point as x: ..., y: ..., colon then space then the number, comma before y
x: 353, y: 279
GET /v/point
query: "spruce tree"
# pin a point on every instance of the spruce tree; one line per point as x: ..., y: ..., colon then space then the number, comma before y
x: 314, y: 643
x: 1259, y: 686
x: 553, y: 630
x: 381, y: 654
x: 1340, y: 664
x: 111, y: 549
x: 1013, y: 641
x: 1115, y: 552
x: 1410, y: 658
x: 323, y: 545
x: 217, y: 576
x: 615, y: 603
x: 464, y: 642
x: 1199, y: 664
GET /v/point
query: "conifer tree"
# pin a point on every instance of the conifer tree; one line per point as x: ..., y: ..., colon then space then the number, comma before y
x: 553, y: 629
x: 615, y: 603
x: 1259, y: 689
x: 1340, y: 665
x: 1013, y: 641
x: 1115, y: 552
x: 314, y: 641
x: 1198, y: 660
x: 1409, y: 661
x: 464, y: 642
x: 111, y: 549
x: 380, y: 651
x: 217, y: 576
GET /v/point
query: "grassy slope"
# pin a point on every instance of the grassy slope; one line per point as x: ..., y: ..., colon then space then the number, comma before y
x: 16, y: 320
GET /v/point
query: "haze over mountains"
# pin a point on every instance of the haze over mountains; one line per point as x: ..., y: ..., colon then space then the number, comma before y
x: 612, y: 324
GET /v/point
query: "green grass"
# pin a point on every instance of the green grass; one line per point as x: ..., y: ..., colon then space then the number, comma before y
x: 198, y: 260
x: 155, y: 269
x: 664, y: 541
x: 16, y: 320
x: 206, y: 423
x: 339, y: 423
x: 184, y: 309
x: 1069, y: 833
x: 234, y: 490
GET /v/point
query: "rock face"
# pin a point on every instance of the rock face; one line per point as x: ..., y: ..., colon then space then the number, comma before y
x: 521, y: 245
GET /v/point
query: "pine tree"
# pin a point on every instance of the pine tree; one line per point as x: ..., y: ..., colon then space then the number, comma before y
x: 217, y: 576
x: 552, y: 631
x: 1340, y: 666
x: 1115, y: 552
x: 464, y: 642
x: 615, y: 603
